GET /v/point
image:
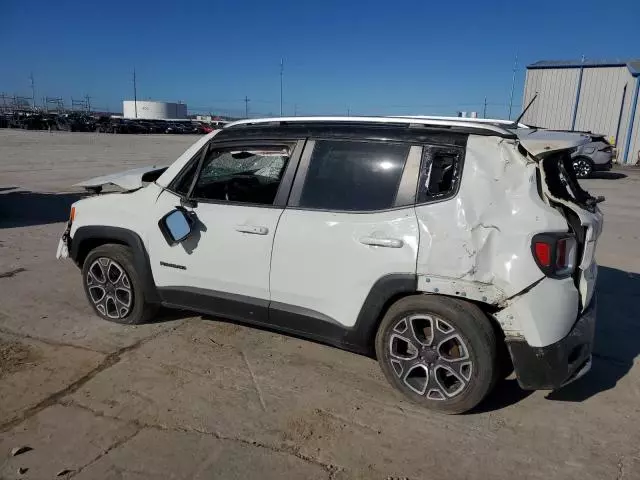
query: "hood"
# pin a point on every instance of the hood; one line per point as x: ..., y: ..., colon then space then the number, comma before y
x: 542, y: 143
x: 127, y: 180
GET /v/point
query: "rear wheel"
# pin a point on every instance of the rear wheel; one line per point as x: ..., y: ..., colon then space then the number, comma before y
x: 439, y: 352
x: 583, y: 167
x: 113, y: 286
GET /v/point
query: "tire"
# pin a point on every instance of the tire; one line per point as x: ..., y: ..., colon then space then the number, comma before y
x: 122, y: 299
x: 458, y: 372
x: 583, y: 167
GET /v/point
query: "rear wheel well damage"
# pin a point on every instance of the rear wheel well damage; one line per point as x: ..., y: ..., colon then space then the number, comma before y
x: 487, y: 309
x: 88, y: 238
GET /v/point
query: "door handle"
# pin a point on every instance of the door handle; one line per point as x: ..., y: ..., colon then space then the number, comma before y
x: 253, y: 229
x: 382, y: 242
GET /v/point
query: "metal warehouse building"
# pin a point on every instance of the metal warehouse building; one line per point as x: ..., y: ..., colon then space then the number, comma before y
x: 148, y: 110
x: 596, y: 96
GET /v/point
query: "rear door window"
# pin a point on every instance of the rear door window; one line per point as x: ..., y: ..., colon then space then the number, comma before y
x: 348, y: 175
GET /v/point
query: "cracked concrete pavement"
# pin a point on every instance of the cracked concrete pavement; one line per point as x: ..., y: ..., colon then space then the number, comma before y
x: 192, y: 397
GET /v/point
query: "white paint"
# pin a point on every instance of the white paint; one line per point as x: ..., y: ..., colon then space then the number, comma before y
x: 321, y: 262
x: 543, y: 315
x: 148, y: 110
x: 541, y: 143
x: 232, y: 255
x: 593, y: 222
x: 476, y: 245
x: 127, y: 180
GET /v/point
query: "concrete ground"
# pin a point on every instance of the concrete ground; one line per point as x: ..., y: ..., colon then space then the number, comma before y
x: 192, y: 398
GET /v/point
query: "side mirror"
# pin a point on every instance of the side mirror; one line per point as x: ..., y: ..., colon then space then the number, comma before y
x: 176, y: 226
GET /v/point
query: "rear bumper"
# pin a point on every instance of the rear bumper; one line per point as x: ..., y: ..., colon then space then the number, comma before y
x: 601, y: 167
x: 551, y: 367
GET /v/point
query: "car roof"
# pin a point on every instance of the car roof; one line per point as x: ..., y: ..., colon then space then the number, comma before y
x: 481, y: 128
x: 493, y: 121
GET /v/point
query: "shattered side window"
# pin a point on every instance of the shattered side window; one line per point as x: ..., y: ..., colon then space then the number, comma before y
x: 439, y: 173
x: 242, y: 175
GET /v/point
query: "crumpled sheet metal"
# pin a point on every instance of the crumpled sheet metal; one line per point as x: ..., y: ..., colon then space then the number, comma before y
x: 479, y: 244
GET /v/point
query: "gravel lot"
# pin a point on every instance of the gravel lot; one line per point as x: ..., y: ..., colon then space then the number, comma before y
x: 189, y: 397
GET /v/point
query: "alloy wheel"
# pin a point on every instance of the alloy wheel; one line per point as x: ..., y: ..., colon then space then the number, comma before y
x: 430, y: 356
x: 109, y: 288
x: 582, y: 167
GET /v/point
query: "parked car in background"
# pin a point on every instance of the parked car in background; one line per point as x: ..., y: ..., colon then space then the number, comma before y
x: 595, y: 156
x: 447, y: 249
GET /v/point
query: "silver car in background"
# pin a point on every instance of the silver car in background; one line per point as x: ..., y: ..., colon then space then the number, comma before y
x: 596, y: 156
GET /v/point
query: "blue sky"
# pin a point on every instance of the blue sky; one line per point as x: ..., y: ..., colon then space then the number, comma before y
x: 422, y: 57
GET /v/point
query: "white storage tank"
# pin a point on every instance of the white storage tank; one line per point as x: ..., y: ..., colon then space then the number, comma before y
x: 149, y: 110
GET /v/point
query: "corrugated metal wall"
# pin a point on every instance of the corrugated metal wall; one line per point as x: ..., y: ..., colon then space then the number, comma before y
x: 600, y: 99
x: 556, y: 96
x: 598, y: 111
x: 634, y: 148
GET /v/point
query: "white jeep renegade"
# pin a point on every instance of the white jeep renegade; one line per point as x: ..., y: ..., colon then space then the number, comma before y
x: 447, y: 249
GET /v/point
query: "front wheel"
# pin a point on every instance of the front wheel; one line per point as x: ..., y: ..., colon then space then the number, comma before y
x: 582, y: 166
x: 113, y: 286
x: 439, y: 352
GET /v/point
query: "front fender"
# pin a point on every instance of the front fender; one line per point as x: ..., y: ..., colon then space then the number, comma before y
x: 87, y: 238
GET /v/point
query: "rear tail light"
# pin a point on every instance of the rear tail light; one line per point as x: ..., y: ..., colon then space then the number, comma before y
x: 555, y: 253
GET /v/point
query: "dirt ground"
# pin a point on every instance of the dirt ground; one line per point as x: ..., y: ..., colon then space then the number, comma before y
x: 189, y: 397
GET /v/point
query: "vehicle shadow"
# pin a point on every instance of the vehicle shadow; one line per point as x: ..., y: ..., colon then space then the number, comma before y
x: 607, y: 175
x: 22, y: 208
x: 617, y: 334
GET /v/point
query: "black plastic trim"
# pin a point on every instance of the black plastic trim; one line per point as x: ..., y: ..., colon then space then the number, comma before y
x: 107, y: 234
x: 386, y: 290
x: 296, y: 320
x: 550, y: 367
x: 228, y: 305
x: 164, y: 229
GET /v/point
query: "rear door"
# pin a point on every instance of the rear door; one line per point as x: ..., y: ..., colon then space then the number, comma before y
x: 350, y: 221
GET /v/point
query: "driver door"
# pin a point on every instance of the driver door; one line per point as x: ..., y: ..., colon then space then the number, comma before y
x: 237, y: 192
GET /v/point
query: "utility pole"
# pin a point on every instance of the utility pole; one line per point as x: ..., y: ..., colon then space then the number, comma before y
x: 88, y: 99
x: 513, y: 85
x: 246, y: 107
x: 281, y: 73
x: 484, y: 111
x: 33, y: 91
x: 135, y: 94
x: 295, y: 109
x: 348, y: 111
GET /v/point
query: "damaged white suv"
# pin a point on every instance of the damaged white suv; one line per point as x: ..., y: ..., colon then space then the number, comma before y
x: 431, y: 244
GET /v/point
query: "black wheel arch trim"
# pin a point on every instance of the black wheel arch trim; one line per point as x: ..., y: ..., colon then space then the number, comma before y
x: 107, y: 234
